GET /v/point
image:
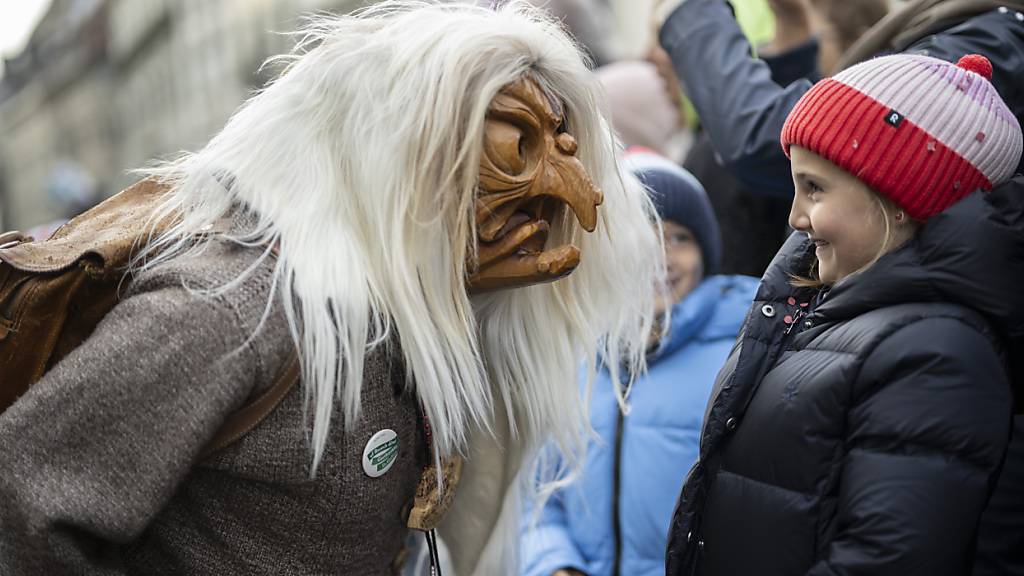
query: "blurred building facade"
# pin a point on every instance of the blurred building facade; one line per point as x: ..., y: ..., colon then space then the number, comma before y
x: 104, y: 86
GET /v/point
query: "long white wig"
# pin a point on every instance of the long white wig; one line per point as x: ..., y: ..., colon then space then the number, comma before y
x: 361, y: 162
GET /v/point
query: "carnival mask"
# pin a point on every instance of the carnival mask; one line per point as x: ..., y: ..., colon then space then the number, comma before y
x: 529, y: 174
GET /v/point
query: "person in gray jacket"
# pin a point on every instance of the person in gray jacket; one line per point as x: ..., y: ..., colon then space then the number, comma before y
x: 428, y: 176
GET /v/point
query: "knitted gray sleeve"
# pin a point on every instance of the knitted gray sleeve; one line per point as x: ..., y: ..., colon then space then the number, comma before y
x: 97, y: 447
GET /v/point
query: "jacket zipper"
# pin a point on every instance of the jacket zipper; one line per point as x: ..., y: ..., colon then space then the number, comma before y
x: 616, y: 489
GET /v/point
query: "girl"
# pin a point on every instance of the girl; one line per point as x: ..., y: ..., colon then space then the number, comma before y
x: 860, y: 422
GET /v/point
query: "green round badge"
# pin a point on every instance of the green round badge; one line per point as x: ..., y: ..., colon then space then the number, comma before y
x: 380, y: 453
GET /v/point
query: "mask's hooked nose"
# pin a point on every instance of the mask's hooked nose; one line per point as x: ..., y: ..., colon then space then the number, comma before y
x: 566, y: 179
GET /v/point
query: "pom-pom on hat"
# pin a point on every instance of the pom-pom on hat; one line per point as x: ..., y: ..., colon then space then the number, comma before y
x: 920, y: 131
x: 679, y: 197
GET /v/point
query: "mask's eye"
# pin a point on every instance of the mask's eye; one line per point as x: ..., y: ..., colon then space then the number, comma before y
x: 506, y: 146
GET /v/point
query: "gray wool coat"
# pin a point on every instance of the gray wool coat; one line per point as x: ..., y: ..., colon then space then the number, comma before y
x: 100, y: 468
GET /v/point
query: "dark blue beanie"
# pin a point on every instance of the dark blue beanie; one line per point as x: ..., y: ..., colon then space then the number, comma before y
x: 679, y: 197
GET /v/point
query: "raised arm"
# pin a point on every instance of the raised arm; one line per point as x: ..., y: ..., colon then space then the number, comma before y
x: 739, y: 104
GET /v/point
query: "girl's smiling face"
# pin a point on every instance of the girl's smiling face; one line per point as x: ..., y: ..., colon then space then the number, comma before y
x: 841, y: 214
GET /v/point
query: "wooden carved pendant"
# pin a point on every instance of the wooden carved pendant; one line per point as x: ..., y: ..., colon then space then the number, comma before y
x: 430, y: 504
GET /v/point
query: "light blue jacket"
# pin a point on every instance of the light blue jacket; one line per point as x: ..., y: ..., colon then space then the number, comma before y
x: 659, y: 440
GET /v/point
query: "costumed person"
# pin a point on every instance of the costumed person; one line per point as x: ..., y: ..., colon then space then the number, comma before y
x: 425, y: 209
x: 860, y: 423
x: 614, y: 517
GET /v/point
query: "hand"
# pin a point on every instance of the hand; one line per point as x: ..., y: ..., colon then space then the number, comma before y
x: 793, y: 24
x: 790, y: 10
x: 663, y: 64
x: 568, y: 572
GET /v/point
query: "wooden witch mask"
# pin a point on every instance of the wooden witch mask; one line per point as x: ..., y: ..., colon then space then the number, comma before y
x: 529, y: 175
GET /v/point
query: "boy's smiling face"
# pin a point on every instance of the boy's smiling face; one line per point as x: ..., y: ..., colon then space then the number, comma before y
x: 839, y: 213
x: 684, y: 265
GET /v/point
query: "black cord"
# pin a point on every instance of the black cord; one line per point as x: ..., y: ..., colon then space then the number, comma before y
x: 435, y: 559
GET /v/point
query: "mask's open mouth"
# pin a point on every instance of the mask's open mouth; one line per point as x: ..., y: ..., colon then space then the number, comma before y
x: 517, y: 257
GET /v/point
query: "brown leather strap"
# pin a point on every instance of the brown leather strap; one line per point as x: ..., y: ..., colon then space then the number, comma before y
x: 241, y: 422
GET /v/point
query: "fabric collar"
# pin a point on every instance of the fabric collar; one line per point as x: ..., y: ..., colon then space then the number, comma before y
x: 695, y: 318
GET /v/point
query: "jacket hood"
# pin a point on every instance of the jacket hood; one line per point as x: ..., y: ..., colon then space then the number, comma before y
x: 971, y: 255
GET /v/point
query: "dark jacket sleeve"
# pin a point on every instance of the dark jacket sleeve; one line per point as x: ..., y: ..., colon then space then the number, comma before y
x: 743, y: 109
x: 740, y: 106
x: 925, y: 438
x: 95, y: 449
x: 798, y: 63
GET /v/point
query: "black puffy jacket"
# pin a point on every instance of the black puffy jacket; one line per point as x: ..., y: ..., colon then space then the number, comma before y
x: 866, y: 438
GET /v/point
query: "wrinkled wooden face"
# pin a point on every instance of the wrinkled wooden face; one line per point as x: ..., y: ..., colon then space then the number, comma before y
x: 529, y: 176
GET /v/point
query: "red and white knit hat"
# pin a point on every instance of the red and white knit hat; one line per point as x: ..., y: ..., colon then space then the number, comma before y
x: 918, y: 130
